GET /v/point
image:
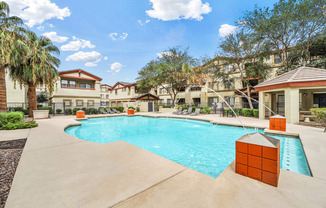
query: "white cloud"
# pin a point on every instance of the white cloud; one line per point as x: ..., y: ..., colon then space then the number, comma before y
x: 115, y: 68
x: 142, y: 23
x: 37, y: 11
x: 51, y: 25
x: 178, y: 9
x: 40, y: 28
x: 116, y: 36
x: 55, y: 38
x: 77, y: 44
x: 91, y: 58
x: 167, y: 53
x: 105, y: 58
x: 226, y: 30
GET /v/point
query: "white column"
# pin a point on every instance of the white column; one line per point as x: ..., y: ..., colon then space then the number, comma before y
x: 261, y: 107
x: 292, y: 100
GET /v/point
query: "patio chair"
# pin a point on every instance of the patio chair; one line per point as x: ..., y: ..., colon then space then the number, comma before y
x: 103, y: 111
x: 186, y: 112
x: 116, y: 111
x: 197, y: 112
x: 109, y: 111
x: 178, y: 112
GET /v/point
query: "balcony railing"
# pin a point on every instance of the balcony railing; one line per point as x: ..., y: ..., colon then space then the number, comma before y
x: 78, y: 88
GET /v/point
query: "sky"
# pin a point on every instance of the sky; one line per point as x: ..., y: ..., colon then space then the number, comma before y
x: 114, y: 39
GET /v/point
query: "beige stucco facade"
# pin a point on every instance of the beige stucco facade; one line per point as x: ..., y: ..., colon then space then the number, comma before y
x: 16, y: 93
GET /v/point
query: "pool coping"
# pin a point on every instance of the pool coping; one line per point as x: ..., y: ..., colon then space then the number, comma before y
x: 266, y: 130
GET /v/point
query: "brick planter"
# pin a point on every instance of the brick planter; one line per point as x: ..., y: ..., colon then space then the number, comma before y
x: 258, y: 157
x: 277, y: 123
x: 80, y: 114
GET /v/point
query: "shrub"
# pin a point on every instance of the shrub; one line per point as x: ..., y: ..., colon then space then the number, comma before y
x: 86, y: 110
x: 205, y: 110
x: 319, y: 113
x: 58, y: 111
x: 137, y: 109
x: 184, y: 107
x: 21, y: 109
x: 46, y: 108
x: 120, y: 109
x: 238, y: 111
x: 247, y: 112
x: 131, y: 108
x: 20, y: 125
x: 68, y: 111
x: 94, y: 111
x: 256, y: 113
x: 11, y: 117
x: 39, y: 106
x: 75, y: 110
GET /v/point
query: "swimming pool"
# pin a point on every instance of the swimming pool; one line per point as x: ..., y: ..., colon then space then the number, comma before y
x: 199, y: 145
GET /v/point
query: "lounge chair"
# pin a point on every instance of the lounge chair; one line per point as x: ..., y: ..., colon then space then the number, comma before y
x: 116, y: 111
x: 178, y: 112
x: 187, y: 112
x: 109, y: 111
x: 103, y: 111
x: 197, y: 112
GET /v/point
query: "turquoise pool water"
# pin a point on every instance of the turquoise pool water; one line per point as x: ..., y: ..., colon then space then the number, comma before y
x: 201, y: 146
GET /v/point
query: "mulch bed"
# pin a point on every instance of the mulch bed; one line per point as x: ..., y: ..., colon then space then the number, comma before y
x: 10, y: 152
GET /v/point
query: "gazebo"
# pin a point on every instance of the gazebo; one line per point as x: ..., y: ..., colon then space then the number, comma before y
x: 293, y: 94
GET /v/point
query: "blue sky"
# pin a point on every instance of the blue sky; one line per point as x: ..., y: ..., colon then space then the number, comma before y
x: 114, y: 39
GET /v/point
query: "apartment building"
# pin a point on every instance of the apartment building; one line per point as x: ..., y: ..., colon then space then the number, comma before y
x: 105, y: 94
x: 126, y: 94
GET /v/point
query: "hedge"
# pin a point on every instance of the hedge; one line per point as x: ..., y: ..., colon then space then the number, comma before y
x: 20, y: 125
x: 247, y: 112
x: 256, y: 113
x: 10, y: 117
x: 46, y: 108
x: 21, y: 109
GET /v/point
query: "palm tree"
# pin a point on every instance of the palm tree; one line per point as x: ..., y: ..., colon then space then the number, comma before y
x: 10, y: 47
x: 39, y: 66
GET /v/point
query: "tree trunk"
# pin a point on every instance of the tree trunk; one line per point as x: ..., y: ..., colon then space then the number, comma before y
x: 249, y: 97
x: 31, y: 94
x: 3, y: 92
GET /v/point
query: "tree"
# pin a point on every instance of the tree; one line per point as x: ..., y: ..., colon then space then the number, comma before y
x: 246, y: 53
x: 39, y: 67
x: 10, y: 47
x: 42, y: 97
x: 288, y: 23
x: 167, y: 72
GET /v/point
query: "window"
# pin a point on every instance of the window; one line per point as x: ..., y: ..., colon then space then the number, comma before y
x: 277, y: 59
x: 64, y: 83
x: 161, y: 102
x: 170, y: 89
x: 213, y: 85
x: 124, y: 89
x: 169, y: 102
x: 102, y: 89
x: 136, y: 89
x: 212, y: 100
x: 83, y: 85
x: 182, y: 89
x: 72, y: 84
x: 116, y: 92
x: 102, y: 96
x: 228, y: 85
x: 195, y: 88
x: 230, y: 100
x: 228, y: 68
x: 161, y: 90
x: 79, y: 103
x: 67, y: 103
x: 90, y: 103
x: 107, y: 96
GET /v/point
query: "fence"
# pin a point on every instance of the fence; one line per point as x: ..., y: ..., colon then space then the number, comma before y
x: 57, y: 108
x: 219, y: 105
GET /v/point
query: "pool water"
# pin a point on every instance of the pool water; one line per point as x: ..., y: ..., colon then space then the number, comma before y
x: 199, y: 145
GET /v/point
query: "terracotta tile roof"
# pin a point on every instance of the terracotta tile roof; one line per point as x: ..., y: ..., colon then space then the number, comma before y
x: 301, y: 74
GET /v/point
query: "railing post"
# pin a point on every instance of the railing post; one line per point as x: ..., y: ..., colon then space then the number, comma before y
x: 53, y: 109
x: 64, y: 108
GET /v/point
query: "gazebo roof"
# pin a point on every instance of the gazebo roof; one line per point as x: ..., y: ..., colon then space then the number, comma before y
x: 295, y: 78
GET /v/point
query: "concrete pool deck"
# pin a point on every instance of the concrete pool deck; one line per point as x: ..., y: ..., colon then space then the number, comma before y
x: 58, y: 170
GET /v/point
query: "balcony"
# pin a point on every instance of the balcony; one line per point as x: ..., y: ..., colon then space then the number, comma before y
x: 79, y: 88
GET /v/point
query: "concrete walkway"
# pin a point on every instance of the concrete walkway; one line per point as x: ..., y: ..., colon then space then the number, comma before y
x: 58, y: 170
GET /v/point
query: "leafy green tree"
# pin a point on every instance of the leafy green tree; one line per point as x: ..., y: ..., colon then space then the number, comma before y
x: 42, y: 97
x: 39, y: 67
x: 11, y: 35
x: 286, y: 24
x: 168, y: 72
x: 246, y: 53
